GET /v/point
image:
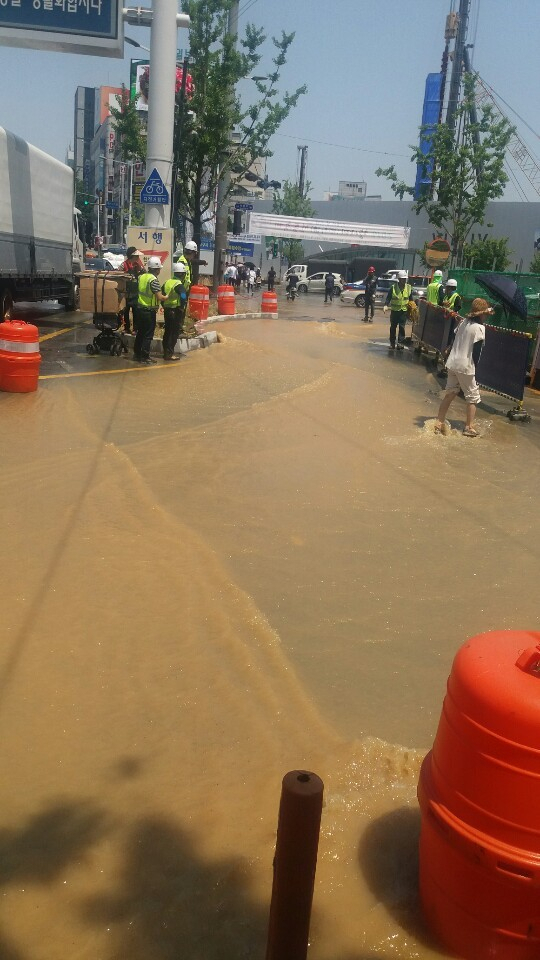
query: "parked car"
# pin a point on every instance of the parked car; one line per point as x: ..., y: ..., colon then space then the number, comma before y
x: 316, y: 283
x: 99, y: 263
x: 355, y: 292
x: 419, y: 286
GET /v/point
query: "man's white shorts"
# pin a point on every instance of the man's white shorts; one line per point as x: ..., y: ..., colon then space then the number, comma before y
x: 467, y: 383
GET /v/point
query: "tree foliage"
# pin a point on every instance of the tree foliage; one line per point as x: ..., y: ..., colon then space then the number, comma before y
x: 466, y: 175
x: 203, y: 147
x: 293, y: 203
x: 535, y: 263
x: 487, y: 254
x: 130, y: 133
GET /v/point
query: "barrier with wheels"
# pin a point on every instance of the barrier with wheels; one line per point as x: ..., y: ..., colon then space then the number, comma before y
x: 269, y: 302
x: 226, y: 301
x: 20, y: 358
x: 199, y: 302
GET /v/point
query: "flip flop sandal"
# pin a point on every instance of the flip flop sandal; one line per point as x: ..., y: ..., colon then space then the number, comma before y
x: 469, y: 432
x: 440, y: 428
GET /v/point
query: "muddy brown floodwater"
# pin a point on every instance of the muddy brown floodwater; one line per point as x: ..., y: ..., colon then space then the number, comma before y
x: 257, y: 560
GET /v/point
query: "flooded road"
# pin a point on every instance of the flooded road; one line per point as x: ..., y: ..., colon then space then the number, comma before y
x: 255, y: 560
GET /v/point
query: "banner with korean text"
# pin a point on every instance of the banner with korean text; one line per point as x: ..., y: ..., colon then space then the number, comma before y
x: 307, y: 228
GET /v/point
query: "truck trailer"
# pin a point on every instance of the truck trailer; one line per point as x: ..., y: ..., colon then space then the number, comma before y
x: 41, y: 237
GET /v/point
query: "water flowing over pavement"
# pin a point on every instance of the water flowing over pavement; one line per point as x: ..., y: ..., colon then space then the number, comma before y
x: 255, y: 560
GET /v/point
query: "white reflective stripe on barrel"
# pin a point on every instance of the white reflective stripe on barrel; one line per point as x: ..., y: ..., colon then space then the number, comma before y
x: 197, y: 296
x: 14, y: 346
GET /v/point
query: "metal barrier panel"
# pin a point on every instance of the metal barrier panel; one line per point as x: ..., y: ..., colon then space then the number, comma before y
x: 434, y: 326
x: 503, y: 363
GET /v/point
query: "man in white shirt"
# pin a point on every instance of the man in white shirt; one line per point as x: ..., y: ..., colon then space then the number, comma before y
x: 232, y: 274
x: 461, y: 366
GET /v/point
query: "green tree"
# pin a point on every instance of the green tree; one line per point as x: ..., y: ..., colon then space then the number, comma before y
x: 130, y: 132
x: 535, y: 263
x: 204, y: 146
x: 293, y: 203
x: 487, y: 254
x: 466, y: 175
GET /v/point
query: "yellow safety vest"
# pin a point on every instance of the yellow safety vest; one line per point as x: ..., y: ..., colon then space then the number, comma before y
x: 187, y: 276
x: 400, y: 298
x: 171, y: 291
x: 432, y: 291
x: 450, y: 301
x: 147, y: 299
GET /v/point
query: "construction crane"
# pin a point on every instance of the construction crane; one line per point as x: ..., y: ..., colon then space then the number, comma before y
x: 516, y: 147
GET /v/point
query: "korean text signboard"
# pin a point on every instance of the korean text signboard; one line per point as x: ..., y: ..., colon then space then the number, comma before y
x: 154, y: 243
x: 72, y: 26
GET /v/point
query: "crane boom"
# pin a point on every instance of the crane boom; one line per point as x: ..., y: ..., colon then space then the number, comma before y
x: 516, y: 147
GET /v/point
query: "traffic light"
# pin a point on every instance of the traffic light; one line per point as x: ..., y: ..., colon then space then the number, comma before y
x: 237, y: 223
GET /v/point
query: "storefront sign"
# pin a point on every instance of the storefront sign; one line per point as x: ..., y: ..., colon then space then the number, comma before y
x: 71, y: 26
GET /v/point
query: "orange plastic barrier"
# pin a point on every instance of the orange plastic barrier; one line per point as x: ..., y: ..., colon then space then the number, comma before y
x: 479, y: 793
x: 199, y: 302
x: 225, y: 300
x: 269, y: 302
x: 20, y: 358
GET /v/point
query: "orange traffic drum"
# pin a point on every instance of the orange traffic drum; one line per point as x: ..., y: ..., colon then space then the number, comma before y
x: 20, y: 358
x: 269, y: 302
x: 479, y: 794
x: 199, y: 302
x: 226, y: 301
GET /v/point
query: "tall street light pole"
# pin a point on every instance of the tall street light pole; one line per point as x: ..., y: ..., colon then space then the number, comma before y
x: 220, y: 242
x: 161, y: 97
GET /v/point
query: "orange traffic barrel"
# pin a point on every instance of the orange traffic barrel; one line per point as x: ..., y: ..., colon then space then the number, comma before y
x: 479, y: 794
x: 225, y: 300
x: 269, y: 302
x: 19, y: 356
x: 199, y: 302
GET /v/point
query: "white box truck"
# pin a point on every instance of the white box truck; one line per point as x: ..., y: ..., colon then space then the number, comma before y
x: 41, y: 246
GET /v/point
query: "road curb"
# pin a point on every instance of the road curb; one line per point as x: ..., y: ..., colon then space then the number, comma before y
x: 183, y: 345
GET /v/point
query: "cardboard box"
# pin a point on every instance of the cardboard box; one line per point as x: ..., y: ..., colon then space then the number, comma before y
x: 102, y: 292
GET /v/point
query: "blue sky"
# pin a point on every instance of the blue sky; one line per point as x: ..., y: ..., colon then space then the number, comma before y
x: 364, y: 63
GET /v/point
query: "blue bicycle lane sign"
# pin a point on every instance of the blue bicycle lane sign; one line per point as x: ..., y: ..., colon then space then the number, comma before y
x: 154, y: 190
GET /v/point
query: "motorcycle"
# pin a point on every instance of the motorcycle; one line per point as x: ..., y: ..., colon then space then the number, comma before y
x: 291, y: 293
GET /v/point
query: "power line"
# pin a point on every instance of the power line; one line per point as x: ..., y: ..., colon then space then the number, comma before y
x: 511, y: 108
x: 341, y: 146
x: 246, y: 7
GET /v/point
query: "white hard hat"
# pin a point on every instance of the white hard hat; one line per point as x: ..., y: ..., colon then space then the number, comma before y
x: 179, y: 267
x: 451, y: 283
x: 191, y: 245
x: 402, y: 275
x: 438, y: 273
x: 154, y: 263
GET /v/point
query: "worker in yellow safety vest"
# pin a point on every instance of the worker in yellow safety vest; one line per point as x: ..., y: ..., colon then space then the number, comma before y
x: 449, y: 296
x: 174, y: 308
x: 148, y: 300
x: 433, y: 288
x: 398, y: 298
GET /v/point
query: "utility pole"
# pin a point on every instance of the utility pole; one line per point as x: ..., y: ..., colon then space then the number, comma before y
x: 220, y: 242
x: 161, y: 97
x: 457, y: 64
x: 303, y: 168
